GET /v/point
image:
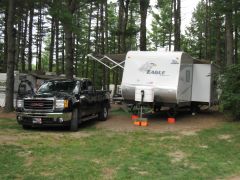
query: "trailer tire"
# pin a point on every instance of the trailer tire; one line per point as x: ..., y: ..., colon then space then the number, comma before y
x: 172, y: 112
x: 103, y: 115
x: 74, y: 121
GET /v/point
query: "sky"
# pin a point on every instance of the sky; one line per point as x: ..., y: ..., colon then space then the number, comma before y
x: 187, y: 8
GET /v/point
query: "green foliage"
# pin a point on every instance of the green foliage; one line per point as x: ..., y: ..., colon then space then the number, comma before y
x: 133, y: 26
x: 194, y: 40
x: 207, y: 32
x: 229, y: 84
x: 161, y: 24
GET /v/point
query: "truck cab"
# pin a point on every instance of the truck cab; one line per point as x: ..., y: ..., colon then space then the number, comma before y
x: 61, y: 102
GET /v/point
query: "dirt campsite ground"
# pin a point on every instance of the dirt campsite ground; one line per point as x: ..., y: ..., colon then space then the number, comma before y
x: 121, y: 121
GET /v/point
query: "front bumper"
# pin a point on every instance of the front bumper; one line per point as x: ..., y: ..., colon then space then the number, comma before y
x: 27, y: 118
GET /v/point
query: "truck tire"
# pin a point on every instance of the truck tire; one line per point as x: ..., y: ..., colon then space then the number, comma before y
x: 74, y: 121
x: 103, y: 115
x: 26, y: 127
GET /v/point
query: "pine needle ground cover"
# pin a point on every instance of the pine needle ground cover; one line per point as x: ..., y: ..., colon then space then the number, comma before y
x: 93, y: 153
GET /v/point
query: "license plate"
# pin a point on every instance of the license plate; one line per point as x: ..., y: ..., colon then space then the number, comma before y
x: 37, y: 120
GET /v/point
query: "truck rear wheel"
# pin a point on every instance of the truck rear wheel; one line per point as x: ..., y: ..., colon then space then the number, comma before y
x: 103, y: 115
x: 74, y: 121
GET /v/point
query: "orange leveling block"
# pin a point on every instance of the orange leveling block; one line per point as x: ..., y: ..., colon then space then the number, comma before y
x: 171, y: 120
x: 133, y: 117
x: 141, y: 122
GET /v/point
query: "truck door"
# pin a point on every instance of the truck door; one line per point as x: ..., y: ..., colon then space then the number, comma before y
x: 86, y: 99
x: 93, y: 94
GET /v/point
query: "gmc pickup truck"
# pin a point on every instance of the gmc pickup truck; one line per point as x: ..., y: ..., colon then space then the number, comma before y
x: 60, y: 102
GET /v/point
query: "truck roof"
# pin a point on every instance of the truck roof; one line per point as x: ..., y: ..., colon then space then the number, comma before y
x: 66, y: 79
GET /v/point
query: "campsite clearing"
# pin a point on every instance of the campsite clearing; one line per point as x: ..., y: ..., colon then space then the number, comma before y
x: 205, y: 145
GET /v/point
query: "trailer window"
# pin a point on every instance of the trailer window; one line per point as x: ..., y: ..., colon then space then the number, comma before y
x: 188, y: 76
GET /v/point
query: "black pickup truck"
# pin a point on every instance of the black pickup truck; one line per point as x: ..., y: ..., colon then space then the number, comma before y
x: 60, y: 102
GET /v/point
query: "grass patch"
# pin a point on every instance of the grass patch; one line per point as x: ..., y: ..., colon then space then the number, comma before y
x: 9, y: 124
x: 120, y: 112
x: 102, y: 154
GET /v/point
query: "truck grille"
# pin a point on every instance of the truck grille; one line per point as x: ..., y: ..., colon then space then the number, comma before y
x: 38, y: 104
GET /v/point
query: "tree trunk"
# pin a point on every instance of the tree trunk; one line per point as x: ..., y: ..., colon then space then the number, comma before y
x: 218, y: 40
x: 207, y: 23
x: 63, y: 53
x: 120, y: 21
x: 51, y: 48
x: 24, y: 43
x: 119, y: 39
x: 30, y: 40
x: 57, y: 46
x: 11, y: 33
x: 89, y: 36
x: 94, y: 72
x: 18, y: 40
x: 69, y: 41
x: 5, y: 57
x: 102, y: 43
x: 69, y: 52
x: 236, y: 8
x: 229, y: 34
x: 170, y: 32
x: 200, y: 40
x: 40, y: 38
x: 78, y: 70
x: 177, y: 25
x: 106, y: 42
x: 125, y: 8
x: 143, y: 13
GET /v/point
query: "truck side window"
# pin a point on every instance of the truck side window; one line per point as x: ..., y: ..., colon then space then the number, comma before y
x: 84, y: 86
x: 89, y: 83
x: 187, y: 76
x: 90, y: 87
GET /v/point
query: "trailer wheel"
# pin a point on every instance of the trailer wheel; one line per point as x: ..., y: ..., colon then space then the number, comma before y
x: 157, y: 109
x: 195, y: 109
x: 172, y: 112
x: 74, y: 121
x: 103, y: 115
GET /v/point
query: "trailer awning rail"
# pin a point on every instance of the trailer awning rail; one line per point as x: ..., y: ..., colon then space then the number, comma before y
x: 114, y: 63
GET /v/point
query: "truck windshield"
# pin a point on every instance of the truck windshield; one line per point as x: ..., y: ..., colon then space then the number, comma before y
x: 58, y: 86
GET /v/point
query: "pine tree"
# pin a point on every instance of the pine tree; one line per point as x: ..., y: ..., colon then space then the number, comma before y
x: 11, y: 34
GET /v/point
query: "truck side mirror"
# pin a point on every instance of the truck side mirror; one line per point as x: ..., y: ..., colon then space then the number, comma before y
x: 77, y: 96
x: 22, y: 90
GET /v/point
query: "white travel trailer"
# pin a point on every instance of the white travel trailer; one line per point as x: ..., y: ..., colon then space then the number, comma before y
x: 169, y: 79
x: 164, y: 79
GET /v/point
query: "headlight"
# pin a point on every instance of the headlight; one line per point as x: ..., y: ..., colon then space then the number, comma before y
x: 60, y: 104
x: 19, y: 103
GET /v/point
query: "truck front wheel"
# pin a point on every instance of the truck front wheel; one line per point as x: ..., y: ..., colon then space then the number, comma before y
x: 26, y: 127
x: 74, y: 121
x: 103, y: 115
